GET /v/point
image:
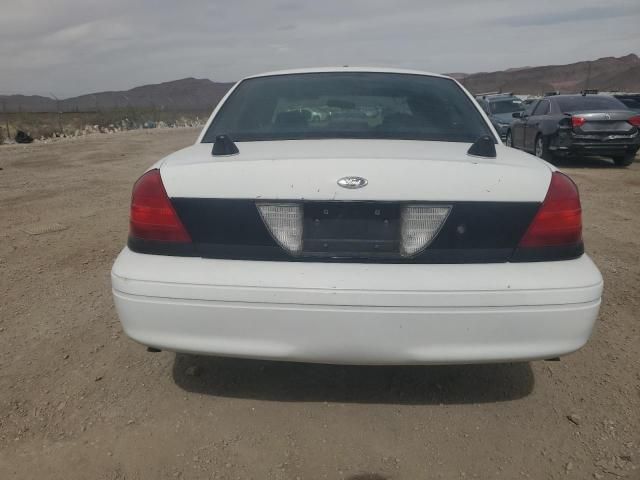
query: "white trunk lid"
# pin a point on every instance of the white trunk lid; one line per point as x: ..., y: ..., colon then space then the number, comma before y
x: 395, y: 170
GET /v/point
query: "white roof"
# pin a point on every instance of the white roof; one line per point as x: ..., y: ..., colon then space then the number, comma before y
x: 347, y: 69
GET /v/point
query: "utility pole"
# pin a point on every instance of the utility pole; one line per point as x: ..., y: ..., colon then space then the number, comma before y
x: 129, y: 111
x: 6, y: 117
x: 59, y: 111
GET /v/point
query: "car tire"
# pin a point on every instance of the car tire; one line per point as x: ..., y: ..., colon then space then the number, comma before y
x: 541, y: 148
x: 508, y: 141
x: 624, y: 160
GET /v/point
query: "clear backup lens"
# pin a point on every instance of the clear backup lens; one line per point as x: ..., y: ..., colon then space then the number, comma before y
x: 419, y: 225
x: 284, y: 221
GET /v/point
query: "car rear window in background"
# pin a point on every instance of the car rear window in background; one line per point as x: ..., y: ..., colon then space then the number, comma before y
x: 348, y: 105
x: 632, y: 102
x: 507, y: 106
x: 588, y: 103
x: 542, y: 108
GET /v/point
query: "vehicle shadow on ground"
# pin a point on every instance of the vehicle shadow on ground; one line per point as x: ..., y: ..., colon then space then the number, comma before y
x: 298, y: 382
x: 584, y: 162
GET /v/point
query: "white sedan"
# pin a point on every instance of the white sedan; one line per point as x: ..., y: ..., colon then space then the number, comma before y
x: 358, y: 216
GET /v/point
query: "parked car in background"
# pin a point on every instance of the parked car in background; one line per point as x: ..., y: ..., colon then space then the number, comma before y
x: 529, y: 100
x: 564, y: 125
x: 414, y: 237
x: 631, y: 100
x: 499, y: 108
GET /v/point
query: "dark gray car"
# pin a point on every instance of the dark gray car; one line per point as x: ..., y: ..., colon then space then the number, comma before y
x: 500, y: 107
x: 565, y: 125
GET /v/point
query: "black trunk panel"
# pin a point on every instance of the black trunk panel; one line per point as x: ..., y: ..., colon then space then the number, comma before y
x: 474, y: 232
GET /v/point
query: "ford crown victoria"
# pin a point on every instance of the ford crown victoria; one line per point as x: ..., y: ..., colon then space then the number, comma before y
x: 357, y: 216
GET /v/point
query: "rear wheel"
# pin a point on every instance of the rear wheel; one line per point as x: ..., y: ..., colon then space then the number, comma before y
x: 509, y: 140
x: 542, y: 148
x: 624, y: 160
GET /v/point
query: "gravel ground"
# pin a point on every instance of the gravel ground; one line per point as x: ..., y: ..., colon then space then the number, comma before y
x: 78, y: 400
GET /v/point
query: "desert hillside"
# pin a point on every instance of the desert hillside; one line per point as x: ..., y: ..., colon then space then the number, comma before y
x: 187, y: 94
x: 608, y: 73
x: 201, y: 95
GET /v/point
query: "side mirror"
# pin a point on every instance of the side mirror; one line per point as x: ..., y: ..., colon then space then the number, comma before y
x: 517, y: 115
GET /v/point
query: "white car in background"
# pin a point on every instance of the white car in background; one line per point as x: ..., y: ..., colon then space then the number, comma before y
x: 406, y: 236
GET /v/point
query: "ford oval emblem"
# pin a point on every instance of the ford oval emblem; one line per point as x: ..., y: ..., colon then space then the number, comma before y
x: 352, y: 182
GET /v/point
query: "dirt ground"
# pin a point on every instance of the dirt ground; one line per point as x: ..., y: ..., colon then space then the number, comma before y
x: 79, y: 400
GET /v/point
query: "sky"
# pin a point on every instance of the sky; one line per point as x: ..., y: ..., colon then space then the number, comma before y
x: 67, y: 48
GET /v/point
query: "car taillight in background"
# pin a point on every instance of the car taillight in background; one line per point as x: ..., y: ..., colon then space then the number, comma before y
x: 635, y: 121
x: 577, y: 122
x: 558, y: 222
x: 153, y: 218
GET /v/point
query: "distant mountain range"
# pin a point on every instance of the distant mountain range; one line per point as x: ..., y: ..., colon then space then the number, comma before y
x: 608, y: 73
x: 194, y: 95
x: 187, y: 94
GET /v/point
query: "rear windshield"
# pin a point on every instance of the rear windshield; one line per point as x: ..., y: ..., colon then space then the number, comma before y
x: 506, y: 106
x: 588, y: 103
x: 632, y: 102
x: 348, y: 105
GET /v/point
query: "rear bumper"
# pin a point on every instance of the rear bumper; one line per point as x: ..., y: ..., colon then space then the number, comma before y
x: 569, y: 143
x: 357, y: 313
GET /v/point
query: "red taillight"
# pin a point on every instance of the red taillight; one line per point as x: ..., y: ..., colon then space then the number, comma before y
x: 578, y: 121
x: 559, y: 219
x: 152, y: 215
x: 635, y: 120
